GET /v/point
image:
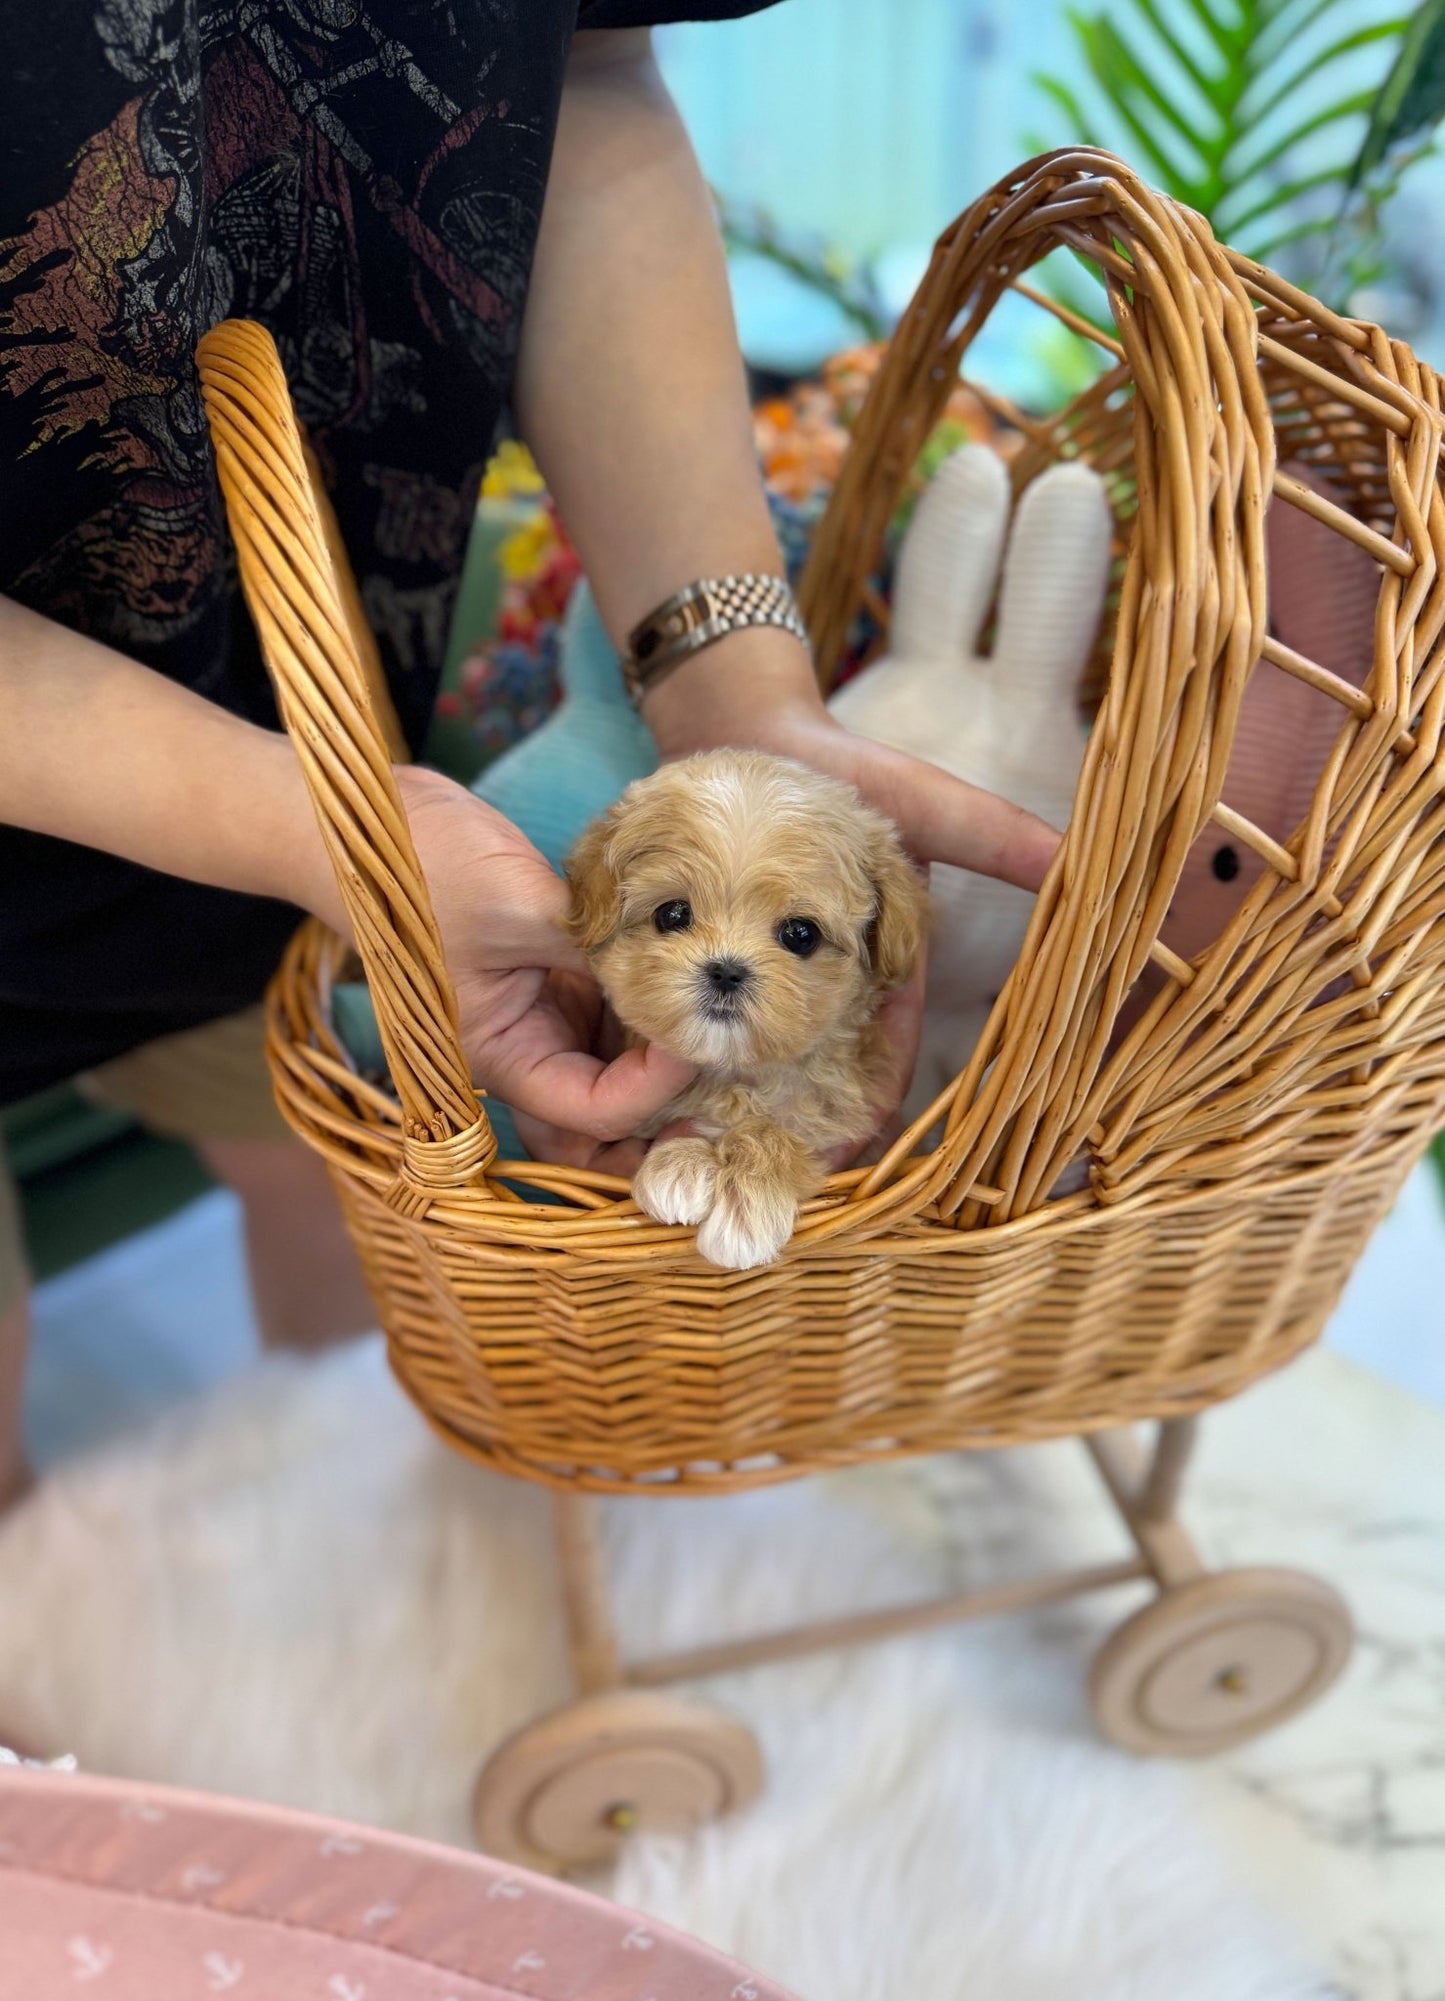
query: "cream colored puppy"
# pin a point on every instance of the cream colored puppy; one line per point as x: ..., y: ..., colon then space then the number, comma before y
x: 748, y: 915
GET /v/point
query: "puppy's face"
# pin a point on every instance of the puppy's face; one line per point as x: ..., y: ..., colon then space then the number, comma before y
x: 738, y: 909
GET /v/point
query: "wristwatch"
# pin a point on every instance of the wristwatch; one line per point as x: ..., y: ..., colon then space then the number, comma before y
x: 698, y: 615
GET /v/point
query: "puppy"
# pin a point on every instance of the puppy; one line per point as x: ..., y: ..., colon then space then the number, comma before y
x: 748, y: 915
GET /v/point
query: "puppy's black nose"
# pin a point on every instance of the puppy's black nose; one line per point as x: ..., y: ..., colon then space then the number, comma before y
x: 726, y: 976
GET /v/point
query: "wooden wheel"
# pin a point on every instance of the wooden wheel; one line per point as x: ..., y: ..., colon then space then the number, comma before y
x: 567, y: 1790
x: 1219, y: 1660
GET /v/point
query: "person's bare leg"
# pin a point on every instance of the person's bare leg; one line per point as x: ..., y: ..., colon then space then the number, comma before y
x: 305, y: 1278
x: 14, y: 1344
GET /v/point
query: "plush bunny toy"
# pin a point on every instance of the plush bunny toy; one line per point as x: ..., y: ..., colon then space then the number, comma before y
x: 1009, y: 721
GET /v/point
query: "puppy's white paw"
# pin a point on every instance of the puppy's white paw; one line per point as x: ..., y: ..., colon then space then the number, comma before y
x: 677, y: 1181
x: 749, y: 1225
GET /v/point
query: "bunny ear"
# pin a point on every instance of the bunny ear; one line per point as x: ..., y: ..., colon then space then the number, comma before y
x: 1054, y: 580
x: 948, y: 565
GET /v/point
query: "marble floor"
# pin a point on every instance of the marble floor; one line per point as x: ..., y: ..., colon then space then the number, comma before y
x: 1341, y: 1814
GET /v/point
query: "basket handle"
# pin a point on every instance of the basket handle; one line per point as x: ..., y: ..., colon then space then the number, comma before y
x: 1190, y: 626
x: 322, y: 662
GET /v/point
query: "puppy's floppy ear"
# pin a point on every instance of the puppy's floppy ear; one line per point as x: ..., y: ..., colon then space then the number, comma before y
x: 900, y: 905
x: 596, y: 891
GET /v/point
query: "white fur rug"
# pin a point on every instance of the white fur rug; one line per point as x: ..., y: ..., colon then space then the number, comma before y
x: 292, y: 1592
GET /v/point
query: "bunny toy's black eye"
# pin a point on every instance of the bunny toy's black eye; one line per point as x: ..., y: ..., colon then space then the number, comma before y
x: 800, y: 936
x: 673, y: 916
x: 1224, y: 864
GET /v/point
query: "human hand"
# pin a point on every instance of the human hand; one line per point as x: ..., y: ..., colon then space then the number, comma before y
x: 533, y: 1024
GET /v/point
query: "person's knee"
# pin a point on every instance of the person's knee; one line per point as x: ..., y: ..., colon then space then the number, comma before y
x: 271, y: 1173
x: 306, y: 1280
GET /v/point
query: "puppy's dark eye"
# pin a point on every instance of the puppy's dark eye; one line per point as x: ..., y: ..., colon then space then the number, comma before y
x: 800, y: 936
x: 673, y: 917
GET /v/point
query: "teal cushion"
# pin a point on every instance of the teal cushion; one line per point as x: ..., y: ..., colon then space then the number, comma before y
x: 551, y: 785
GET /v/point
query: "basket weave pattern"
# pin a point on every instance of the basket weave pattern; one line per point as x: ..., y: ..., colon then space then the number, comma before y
x: 1241, y: 1140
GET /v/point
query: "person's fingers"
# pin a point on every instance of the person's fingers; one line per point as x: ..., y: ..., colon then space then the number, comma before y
x: 549, y: 945
x: 569, y: 1089
x: 944, y: 819
x: 941, y: 818
x: 948, y: 565
x: 577, y: 998
x: 498, y: 900
x: 675, y: 1129
x: 569, y: 1149
x: 526, y: 913
x: 887, y: 1133
x: 901, y: 1020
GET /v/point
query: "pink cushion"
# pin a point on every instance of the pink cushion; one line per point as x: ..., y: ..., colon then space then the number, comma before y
x: 143, y: 1893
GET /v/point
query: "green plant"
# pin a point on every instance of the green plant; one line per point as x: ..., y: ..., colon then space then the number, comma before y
x: 1251, y: 111
x: 1411, y: 100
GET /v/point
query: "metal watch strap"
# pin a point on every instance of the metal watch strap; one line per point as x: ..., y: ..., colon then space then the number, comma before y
x: 697, y: 616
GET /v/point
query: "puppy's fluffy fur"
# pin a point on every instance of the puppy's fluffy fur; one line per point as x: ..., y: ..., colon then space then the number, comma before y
x: 748, y: 915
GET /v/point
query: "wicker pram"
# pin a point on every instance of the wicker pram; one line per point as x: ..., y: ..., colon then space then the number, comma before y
x: 1242, y: 1139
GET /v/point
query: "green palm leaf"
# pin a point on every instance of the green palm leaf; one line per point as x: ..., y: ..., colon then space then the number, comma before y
x: 1412, y: 97
x: 1265, y: 115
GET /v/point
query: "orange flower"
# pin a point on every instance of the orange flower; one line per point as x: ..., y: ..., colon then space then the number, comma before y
x: 800, y: 441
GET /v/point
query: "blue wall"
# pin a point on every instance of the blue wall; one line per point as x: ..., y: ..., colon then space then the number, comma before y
x: 870, y: 120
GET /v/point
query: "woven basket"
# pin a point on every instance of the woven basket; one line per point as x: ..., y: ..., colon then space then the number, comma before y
x: 1242, y: 1139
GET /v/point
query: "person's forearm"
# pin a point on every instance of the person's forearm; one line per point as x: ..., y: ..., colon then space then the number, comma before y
x: 630, y: 388
x: 97, y: 749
